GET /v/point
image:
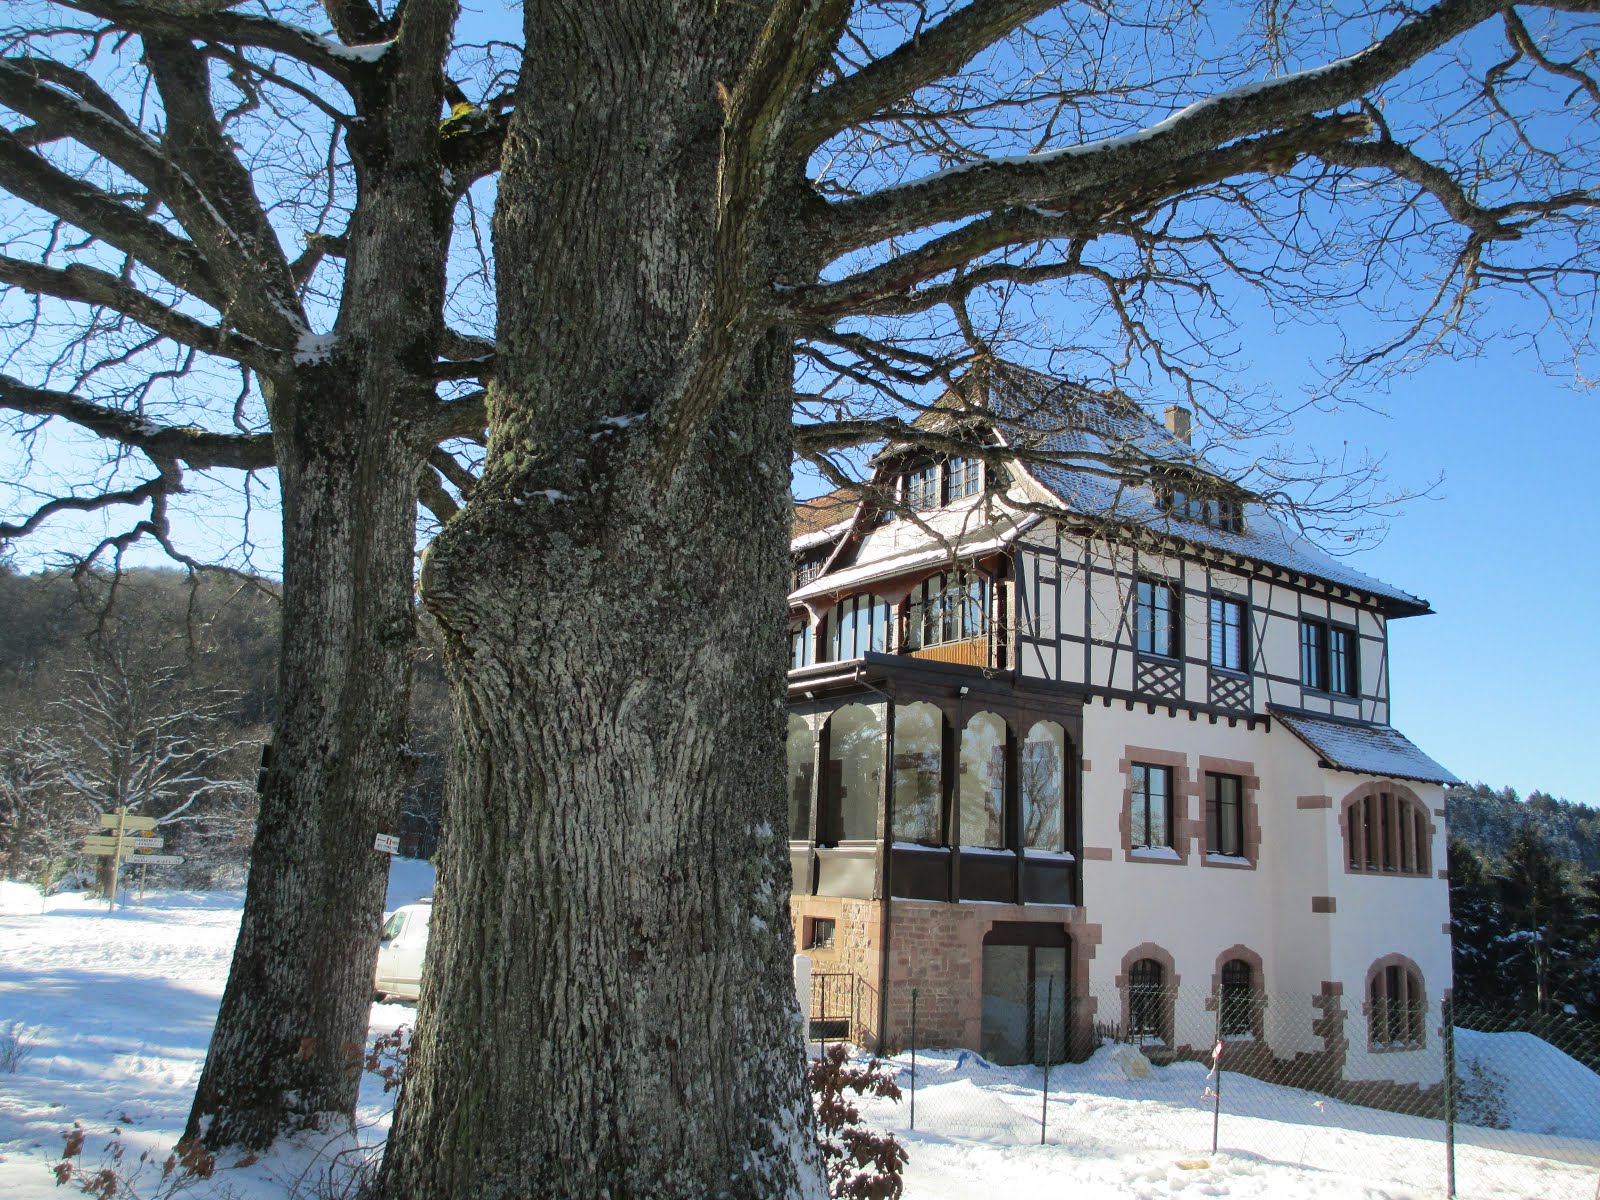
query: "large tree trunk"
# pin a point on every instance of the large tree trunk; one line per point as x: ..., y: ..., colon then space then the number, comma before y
x: 607, y: 1008
x: 286, y: 1053
x: 350, y: 434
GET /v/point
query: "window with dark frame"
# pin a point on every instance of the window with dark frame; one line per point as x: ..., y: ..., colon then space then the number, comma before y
x: 1386, y: 833
x: 1196, y: 499
x: 1224, y: 815
x: 802, y: 646
x: 1156, y: 618
x: 856, y: 625
x: 1238, y: 999
x: 1342, y: 661
x: 947, y: 608
x: 1228, y: 648
x: 1151, y: 814
x: 1328, y: 657
x: 1396, y: 1009
x: 822, y: 930
x: 922, y: 487
x: 963, y: 477
x: 1146, y: 981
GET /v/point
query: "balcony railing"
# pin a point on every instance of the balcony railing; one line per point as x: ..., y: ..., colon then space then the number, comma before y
x: 970, y: 652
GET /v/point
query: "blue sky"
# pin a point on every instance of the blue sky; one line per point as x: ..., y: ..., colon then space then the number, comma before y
x: 1496, y: 685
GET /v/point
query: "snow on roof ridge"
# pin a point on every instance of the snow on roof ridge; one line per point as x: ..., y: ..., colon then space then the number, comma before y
x: 1121, y: 426
x: 1362, y: 748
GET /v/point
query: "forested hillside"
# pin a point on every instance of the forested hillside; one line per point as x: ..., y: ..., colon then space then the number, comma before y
x: 155, y: 691
x: 1525, y: 901
x: 1488, y: 820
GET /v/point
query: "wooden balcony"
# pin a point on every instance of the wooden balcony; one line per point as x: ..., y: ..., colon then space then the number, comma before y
x: 971, y: 652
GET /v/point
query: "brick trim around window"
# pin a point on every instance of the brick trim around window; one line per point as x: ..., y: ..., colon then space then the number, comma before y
x: 1392, y: 832
x: 1417, y: 1000
x: 1184, y: 790
x: 1249, y: 784
x: 1258, y: 981
x: 1166, y: 1020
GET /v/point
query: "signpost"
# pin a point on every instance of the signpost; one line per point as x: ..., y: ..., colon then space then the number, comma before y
x: 130, y: 845
x: 129, y: 839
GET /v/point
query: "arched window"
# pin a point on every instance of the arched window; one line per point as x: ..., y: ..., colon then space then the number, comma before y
x: 1397, y: 1009
x: 801, y: 748
x: 1146, y: 984
x: 918, y: 752
x: 947, y: 608
x: 983, y: 781
x: 857, y: 625
x: 1043, y: 787
x: 1238, y: 998
x: 855, y: 775
x: 1387, y: 831
x: 802, y: 646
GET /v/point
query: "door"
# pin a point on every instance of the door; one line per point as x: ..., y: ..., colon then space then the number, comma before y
x: 1025, y: 994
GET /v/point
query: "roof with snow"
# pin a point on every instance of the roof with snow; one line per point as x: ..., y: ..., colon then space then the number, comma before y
x: 1363, y: 749
x: 1093, y: 452
x: 821, y: 512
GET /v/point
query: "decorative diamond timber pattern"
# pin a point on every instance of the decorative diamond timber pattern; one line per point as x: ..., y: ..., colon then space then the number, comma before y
x: 1228, y: 691
x: 1161, y: 679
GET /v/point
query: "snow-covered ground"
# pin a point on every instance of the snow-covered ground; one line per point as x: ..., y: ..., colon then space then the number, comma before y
x: 977, y: 1134
x: 115, y: 1010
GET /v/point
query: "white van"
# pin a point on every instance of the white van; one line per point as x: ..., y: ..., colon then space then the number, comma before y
x: 401, y: 951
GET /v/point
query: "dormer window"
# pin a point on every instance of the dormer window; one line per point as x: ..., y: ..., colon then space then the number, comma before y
x: 1194, y: 499
x: 808, y: 568
x: 963, y: 478
x: 933, y: 483
x: 922, y: 487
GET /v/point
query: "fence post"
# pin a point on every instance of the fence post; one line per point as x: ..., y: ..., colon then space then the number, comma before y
x: 913, y: 1058
x: 1449, y: 1007
x: 1049, y: 1026
x: 824, y: 1012
x: 1216, y: 1071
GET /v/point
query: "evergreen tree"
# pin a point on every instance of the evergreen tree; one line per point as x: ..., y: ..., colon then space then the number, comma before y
x: 1476, y: 926
x: 1537, y: 907
x: 1586, y: 974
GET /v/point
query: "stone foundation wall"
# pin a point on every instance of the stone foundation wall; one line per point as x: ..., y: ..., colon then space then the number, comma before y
x: 937, y: 949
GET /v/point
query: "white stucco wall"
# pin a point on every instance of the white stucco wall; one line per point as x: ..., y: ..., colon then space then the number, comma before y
x: 1196, y: 912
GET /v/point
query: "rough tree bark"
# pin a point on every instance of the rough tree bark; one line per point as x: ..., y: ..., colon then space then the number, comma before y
x: 606, y: 1010
x: 187, y: 259
x: 609, y: 958
x: 289, y: 1037
x: 351, y: 433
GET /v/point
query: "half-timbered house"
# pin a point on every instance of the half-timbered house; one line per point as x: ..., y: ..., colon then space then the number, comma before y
x: 1070, y: 733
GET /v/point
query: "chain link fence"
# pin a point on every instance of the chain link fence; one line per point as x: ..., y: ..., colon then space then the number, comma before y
x: 1474, y: 1103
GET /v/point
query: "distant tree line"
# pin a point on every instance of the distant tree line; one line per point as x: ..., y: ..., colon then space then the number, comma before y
x: 155, y: 691
x: 1525, y: 901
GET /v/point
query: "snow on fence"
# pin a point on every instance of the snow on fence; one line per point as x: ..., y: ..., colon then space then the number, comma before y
x: 1323, y: 1083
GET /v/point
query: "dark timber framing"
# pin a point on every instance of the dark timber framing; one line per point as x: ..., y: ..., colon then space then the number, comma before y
x: 959, y: 692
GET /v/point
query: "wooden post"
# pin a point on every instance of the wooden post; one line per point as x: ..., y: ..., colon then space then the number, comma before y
x: 116, y: 860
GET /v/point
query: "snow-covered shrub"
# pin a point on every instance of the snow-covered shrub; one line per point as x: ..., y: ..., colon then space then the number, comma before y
x: 1480, y: 1097
x: 862, y: 1163
x: 386, y: 1057
x: 120, y: 1177
x: 14, y: 1048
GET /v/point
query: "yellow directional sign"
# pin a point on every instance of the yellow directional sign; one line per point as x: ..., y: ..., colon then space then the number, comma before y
x: 128, y: 820
x: 108, y: 845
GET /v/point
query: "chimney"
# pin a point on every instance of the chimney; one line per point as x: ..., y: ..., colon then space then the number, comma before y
x: 1178, y: 422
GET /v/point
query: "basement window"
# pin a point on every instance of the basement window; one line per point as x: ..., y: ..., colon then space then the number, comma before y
x: 822, y: 930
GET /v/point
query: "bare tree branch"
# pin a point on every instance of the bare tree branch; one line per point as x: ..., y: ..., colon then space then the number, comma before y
x: 937, y: 52
x: 199, y: 448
